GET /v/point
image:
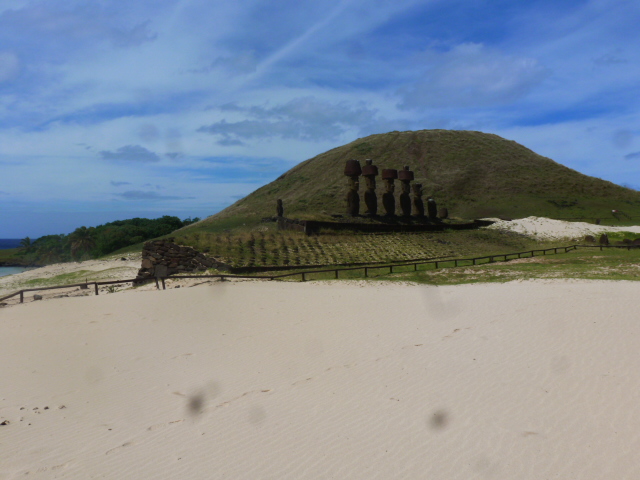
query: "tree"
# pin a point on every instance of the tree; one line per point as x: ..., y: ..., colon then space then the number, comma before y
x: 189, y: 221
x: 25, y: 242
x: 82, y: 240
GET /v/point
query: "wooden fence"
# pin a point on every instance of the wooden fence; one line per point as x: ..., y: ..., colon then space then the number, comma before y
x: 336, y: 271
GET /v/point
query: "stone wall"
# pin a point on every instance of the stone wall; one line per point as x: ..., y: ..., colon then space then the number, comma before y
x: 161, y: 258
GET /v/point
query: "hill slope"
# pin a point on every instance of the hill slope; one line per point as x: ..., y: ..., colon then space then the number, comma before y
x: 474, y: 174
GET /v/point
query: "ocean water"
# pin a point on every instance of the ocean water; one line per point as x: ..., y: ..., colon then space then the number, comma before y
x: 9, y: 243
x: 4, y: 271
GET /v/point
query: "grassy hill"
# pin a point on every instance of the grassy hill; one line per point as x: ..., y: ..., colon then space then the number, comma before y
x: 474, y: 174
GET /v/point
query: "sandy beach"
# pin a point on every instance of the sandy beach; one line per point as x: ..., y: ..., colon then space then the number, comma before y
x: 267, y: 380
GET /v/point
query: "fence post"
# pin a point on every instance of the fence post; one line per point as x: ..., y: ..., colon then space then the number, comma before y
x: 157, y: 284
x: 21, y: 296
x: 436, y: 265
x: 336, y: 274
x: 163, y: 286
x: 474, y: 261
x: 96, y: 287
x: 366, y: 272
x: 303, y: 277
x: 390, y: 268
x: 415, y: 267
x: 455, y: 262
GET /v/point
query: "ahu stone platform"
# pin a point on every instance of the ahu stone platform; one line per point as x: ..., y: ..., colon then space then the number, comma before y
x: 162, y: 258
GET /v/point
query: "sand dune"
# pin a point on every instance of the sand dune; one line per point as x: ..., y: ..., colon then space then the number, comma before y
x: 266, y: 380
x: 549, y: 229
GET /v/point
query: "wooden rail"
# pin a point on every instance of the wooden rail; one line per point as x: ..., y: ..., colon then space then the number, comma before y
x: 336, y: 271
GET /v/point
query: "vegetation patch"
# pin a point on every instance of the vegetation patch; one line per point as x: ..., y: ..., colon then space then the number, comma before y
x: 85, y: 243
x: 267, y: 247
x: 63, y: 279
x: 610, y: 264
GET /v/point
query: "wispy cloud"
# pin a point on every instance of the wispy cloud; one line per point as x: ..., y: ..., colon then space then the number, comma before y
x: 130, y: 153
x: 304, y: 118
x: 149, y: 195
x: 9, y: 66
x: 119, y: 184
x: 471, y: 75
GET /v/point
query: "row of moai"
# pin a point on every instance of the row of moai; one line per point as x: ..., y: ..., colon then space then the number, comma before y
x: 353, y: 170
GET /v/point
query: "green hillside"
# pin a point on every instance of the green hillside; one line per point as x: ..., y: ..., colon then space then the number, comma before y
x: 473, y: 174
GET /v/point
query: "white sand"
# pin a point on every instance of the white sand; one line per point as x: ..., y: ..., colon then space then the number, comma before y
x: 265, y: 380
x: 549, y: 229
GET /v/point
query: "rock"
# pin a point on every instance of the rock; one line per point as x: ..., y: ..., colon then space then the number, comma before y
x: 123, y: 259
x: 6, y: 422
x: 146, y: 263
x: 590, y: 239
x: 37, y: 297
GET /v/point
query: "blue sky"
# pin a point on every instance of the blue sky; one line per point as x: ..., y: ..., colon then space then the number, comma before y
x: 112, y: 110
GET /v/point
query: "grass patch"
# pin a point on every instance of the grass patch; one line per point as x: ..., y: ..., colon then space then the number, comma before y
x: 591, y: 264
x: 265, y: 246
x: 63, y: 279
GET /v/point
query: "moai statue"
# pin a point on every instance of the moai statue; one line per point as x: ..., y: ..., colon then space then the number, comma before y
x: 369, y: 172
x: 388, y: 200
x: 443, y: 213
x: 279, y: 208
x: 405, y: 176
x: 432, y: 209
x: 418, y: 204
x: 353, y: 171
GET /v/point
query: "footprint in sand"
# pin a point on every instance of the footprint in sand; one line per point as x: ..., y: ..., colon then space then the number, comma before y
x: 228, y: 402
x: 455, y: 331
x: 184, y: 355
x: 118, y: 448
x: 163, y: 425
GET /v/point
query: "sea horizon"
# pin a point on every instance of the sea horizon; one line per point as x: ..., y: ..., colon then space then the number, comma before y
x: 6, y: 243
